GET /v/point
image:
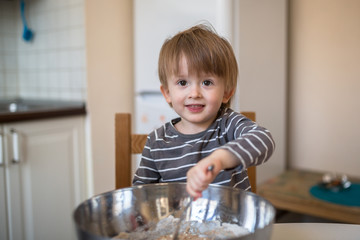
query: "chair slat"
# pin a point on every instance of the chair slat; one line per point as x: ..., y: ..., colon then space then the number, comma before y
x: 137, y: 143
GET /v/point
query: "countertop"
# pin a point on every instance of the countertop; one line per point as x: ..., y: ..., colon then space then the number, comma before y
x: 15, y: 110
x: 315, y: 231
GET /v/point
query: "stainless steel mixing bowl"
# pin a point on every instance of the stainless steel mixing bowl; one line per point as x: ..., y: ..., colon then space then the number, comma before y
x: 124, y: 210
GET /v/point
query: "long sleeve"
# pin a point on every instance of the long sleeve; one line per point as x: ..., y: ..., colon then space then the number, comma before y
x: 251, y: 143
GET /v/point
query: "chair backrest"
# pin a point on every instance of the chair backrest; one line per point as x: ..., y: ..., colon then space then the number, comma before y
x: 127, y: 144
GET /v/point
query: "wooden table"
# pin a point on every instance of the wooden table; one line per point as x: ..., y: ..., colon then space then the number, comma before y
x: 290, y: 191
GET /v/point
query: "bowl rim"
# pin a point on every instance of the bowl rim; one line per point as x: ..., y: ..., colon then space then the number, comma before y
x: 183, y: 184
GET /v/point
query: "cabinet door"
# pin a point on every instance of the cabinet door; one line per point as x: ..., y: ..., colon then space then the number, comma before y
x: 3, y: 212
x: 48, y: 178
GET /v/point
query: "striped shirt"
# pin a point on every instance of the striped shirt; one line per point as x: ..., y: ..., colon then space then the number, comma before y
x: 169, y: 154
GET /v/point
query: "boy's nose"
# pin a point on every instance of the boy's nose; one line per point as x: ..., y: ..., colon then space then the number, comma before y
x: 195, y: 92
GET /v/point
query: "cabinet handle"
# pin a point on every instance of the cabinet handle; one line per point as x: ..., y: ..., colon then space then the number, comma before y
x: 1, y: 150
x: 15, y: 146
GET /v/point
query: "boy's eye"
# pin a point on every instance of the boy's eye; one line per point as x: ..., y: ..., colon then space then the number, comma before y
x: 182, y: 82
x: 207, y: 82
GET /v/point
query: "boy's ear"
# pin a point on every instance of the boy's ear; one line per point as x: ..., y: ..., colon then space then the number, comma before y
x: 165, y: 92
x: 228, y: 95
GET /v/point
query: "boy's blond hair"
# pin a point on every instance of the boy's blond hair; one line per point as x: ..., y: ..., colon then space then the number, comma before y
x: 205, y: 52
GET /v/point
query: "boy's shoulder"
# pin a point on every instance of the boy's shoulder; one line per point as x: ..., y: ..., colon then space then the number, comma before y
x: 166, y: 130
x: 231, y: 117
x: 229, y: 113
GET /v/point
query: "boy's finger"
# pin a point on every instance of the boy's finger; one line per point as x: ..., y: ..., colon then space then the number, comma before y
x: 195, y: 194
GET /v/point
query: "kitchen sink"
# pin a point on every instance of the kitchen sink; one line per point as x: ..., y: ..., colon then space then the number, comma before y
x: 22, y: 105
x: 22, y: 109
x: 6, y: 107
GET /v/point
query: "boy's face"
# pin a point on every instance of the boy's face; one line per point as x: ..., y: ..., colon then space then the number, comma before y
x: 196, y: 98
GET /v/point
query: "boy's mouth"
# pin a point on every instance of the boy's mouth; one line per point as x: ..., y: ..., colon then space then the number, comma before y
x: 195, y: 107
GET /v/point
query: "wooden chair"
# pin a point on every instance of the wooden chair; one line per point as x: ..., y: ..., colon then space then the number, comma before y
x: 127, y: 144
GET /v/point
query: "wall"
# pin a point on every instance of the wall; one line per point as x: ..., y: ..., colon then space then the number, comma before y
x: 324, y: 85
x: 8, y: 49
x: 56, y: 63
x: 262, y: 55
x: 52, y: 65
x: 109, y: 46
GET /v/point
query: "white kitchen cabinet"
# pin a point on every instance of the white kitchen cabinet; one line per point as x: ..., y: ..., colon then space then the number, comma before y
x: 3, y: 212
x: 43, y: 178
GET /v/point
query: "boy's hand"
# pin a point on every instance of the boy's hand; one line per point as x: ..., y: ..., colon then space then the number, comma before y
x: 199, y: 178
